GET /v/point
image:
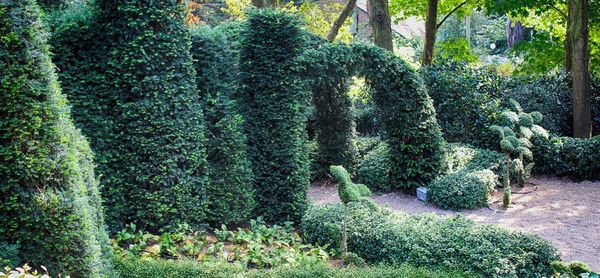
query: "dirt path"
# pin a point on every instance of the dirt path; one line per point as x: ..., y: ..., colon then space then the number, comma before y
x: 564, y: 212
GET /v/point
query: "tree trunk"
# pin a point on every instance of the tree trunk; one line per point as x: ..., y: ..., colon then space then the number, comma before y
x: 430, y: 30
x: 568, y: 48
x: 344, y: 243
x: 579, y: 36
x: 381, y: 23
x: 264, y: 3
x: 339, y: 22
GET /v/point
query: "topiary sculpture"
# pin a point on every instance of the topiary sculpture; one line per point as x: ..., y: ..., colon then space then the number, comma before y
x: 349, y: 192
x: 516, y: 130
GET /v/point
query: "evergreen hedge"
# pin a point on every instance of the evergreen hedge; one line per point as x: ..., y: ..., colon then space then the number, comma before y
x: 334, y: 123
x: 273, y: 101
x: 51, y: 210
x: 383, y: 236
x: 406, y: 114
x: 231, y: 191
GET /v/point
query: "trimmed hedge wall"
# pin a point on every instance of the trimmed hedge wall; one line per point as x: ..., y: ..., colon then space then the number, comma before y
x: 382, y: 236
x: 231, y: 191
x: 51, y: 210
x: 566, y: 156
x: 273, y: 102
x: 188, y: 269
x: 140, y: 107
x: 334, y: 123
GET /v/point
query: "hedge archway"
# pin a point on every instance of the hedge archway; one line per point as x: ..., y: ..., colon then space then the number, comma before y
x: 404, y: 108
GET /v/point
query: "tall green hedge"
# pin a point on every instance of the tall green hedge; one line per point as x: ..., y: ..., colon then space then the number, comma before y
x: 273, y: 101
x: 231, y: 191
x: 51, y: 210
x: 157, y: 168
x: 334, y: 123
x: 406, y: 114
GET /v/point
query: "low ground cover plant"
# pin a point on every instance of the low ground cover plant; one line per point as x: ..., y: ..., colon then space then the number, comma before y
x: 382, y: 236
x: 258, y: 246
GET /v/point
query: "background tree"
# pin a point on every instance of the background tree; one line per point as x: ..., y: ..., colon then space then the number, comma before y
x: 51, y: 210
x: 381, y: 23
x: 578, y: 37
x: 429, y: 10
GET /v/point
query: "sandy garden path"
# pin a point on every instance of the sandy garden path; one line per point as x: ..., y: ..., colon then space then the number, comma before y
x: 564, y: 212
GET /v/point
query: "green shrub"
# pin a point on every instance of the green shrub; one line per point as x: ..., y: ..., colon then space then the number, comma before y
x: 381, y: 236
x: 462, y: 189
x: 464, y: 157
x: 273, y: 102
x: 374, y: 169
x: 334, y: 122
x: 9, y: 255
x: 230, y: 192
x: 566, y: 156
x: 51, y: 211
x: 406, y: 114
x: 182, y: 268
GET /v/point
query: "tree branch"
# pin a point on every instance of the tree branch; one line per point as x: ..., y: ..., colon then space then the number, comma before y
x: 339, y: 22
x: 450, y: 13
x: 559, y: 11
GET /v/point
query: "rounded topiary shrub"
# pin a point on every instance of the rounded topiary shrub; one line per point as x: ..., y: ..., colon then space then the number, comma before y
x: 462, y: 189
x: 383, y: 236
x: 51, y: 210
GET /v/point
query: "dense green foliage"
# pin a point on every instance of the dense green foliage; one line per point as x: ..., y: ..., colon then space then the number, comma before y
x: 231, y: 192
x: 430, y: 240
x: 140, y: 108
x: 566, y: 156
x: 259, y: 246
x: 462, y: 189
x: 468, y: 100
x: 347, y: 190
x: 406, y: 114
x: 374, y: 168
x: 273, y: 101
x: 183, y: 268
x: 334, y: 124
x: 51, y: 210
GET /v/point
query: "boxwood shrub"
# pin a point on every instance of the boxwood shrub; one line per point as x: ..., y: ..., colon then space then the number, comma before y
x: 462, y: 189
x: 382, y: 236
x: 566, y: 156
x: 374, y: 168
x: 182, y: 268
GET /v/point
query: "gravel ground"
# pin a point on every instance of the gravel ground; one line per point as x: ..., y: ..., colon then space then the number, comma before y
x: 564, y: 212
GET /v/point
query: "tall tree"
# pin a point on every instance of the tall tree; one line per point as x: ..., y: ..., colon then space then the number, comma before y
x: 264, y: 3
x: 578, y: 36
x: 429, y: 10
x: 381, y: 23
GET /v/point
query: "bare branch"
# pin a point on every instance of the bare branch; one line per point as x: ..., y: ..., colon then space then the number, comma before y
x: 450, y: 13
x: 339, y: 22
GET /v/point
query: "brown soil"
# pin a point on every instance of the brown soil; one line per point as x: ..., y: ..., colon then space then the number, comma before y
x: 564, y: 212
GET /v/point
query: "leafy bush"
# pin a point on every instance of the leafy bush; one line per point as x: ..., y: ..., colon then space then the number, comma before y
x: 25, y: 271
x: 140, y: 108
x: 51, y: 211
x: 381, y: 236
x: 272, y: 101
x: 462, y: 189
x: 566, y: 156
x: 573, y: 269
x: 9, y: 254
x: 464, y: 157
x: 334, y: 123
x: 230, y: 192
x: 128, y: 268
x: 259, y: 246
x: 374, y: 169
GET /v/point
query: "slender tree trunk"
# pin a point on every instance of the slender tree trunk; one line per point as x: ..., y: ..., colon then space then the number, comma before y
x: 568, y: 48
x: 579, y: 36
x: 264, y: 3
x: 381, y: 23
x: 430, y: 32
x: 339, y: 22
